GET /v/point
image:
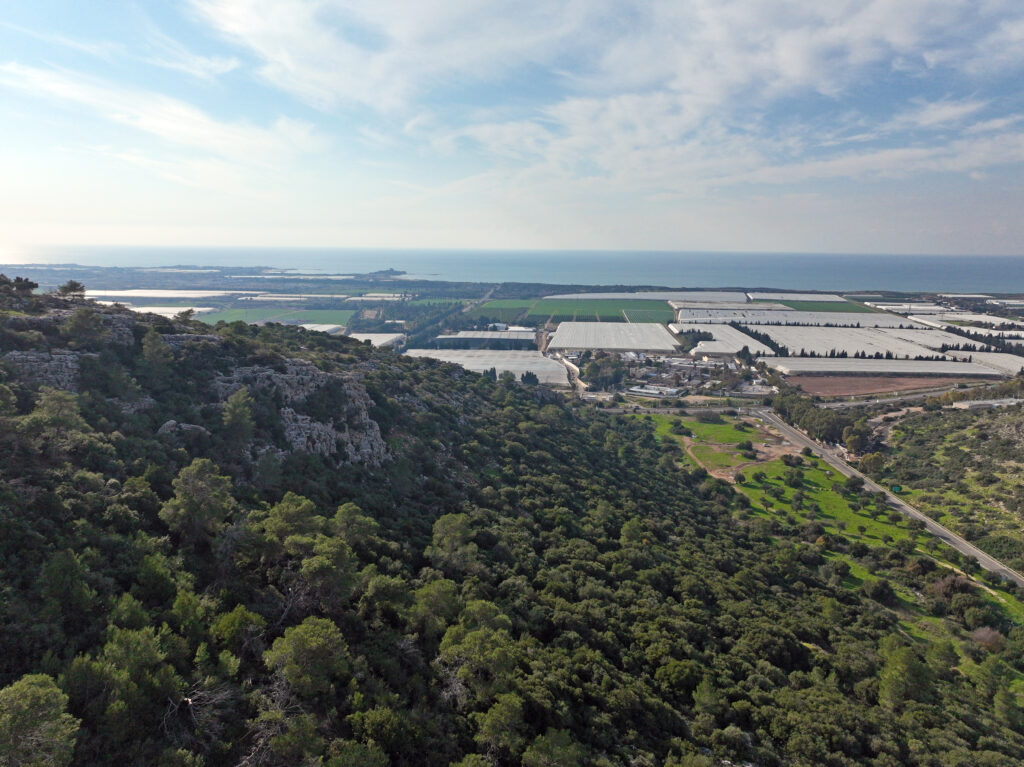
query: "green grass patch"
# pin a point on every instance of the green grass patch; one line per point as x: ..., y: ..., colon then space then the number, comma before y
x: 712, y: 458
x: 575, y: 309
x: 603, y: 310
x: 719, y: 433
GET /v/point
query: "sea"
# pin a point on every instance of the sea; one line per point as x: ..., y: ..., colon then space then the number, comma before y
x: 677, y: 269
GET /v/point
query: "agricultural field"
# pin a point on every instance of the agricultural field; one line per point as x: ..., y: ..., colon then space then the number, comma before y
x: 569, y: 309
x: 280, y: 314
x: 853, y: 530
x: 828, y: 306
x: 848, y: 386
x: 502, y: 310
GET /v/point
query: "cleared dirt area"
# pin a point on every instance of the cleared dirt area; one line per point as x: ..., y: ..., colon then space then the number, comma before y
x: 845, y: 386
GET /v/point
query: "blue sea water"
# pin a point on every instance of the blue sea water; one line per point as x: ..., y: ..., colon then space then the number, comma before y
x: 802, y: 271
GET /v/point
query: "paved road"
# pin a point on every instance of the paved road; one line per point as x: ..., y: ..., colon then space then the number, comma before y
x: 839, y: 405
x: 944, y: 534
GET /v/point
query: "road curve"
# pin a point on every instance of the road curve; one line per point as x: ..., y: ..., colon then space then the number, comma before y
x: 944, y: 534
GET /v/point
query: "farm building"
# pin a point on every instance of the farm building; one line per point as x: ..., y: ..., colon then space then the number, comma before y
x: 870, y: 367
x: 772, y: 296
x: 949, y: 318
x: 547, y: 370
x: 1005, y: 364
x: 612, y: 337
x: 899, y: 342
x: 761, y: 316
x: 727, y: 340
x: 489, y: 339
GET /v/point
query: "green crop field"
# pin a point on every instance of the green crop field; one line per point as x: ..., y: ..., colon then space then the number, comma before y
x: 503, y: 310
x: 279, y: 314
x: 824, y: 306
x: 581, y: 310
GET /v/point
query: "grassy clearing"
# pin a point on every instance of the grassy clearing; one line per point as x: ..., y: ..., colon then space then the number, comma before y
x: 713, y: 458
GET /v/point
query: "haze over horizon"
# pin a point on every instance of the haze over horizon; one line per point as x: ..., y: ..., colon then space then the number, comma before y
x: 878, y: 127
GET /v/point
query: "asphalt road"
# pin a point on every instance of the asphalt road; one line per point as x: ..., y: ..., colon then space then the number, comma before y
x: 944, y: 534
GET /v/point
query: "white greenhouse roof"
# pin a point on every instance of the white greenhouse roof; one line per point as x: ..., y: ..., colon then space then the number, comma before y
x: 613, y: 336
x: 547, y: 370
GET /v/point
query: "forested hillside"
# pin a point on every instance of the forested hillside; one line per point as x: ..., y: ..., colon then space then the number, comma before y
x: 261, y: 546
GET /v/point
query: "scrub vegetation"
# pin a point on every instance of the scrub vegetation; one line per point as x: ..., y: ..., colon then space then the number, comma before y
x: 504, y: 578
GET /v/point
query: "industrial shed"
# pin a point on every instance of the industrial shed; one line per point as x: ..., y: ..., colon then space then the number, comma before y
x: 613, y: 337
x: 489, y: 339
x: 547, y: 370
x: 727, y: 340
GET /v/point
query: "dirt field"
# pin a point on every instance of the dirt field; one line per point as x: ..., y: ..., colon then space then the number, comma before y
x: 841, y: 386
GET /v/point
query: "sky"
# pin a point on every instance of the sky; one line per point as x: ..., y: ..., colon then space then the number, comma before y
x: 875, y: 126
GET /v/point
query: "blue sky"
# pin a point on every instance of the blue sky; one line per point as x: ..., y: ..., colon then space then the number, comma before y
x: 893, y: 126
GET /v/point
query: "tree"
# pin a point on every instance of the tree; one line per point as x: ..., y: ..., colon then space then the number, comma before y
x: 19, y: 286
x: 872, y: 464
x: 903, y: 677
x: 35, y: 728
x: 202, y: 501
x: 55, y: 421
x: 237, y: 418
x: 853, y: 484
x: 8, y: 401
x: 555, y: 748
x: 84, y: 325
x: 311, y: 657
x: 502, y: 727
x: 71, y: 289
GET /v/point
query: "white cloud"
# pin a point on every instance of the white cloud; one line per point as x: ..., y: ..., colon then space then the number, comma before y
x: 383, y: 53
x: 171, y: 120
x: 935, y: 115
x: 168, y: 53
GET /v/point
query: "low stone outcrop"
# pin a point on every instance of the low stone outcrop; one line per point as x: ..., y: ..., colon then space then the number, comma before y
x: 173, y: 427
x: 58, y: 368
x: 348, y: 436
x: 294, y: 382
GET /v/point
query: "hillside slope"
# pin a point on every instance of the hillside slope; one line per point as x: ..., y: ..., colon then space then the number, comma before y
x: 262, y: 546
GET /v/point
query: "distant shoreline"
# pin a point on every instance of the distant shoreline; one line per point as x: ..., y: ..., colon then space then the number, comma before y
x: 683, y: 269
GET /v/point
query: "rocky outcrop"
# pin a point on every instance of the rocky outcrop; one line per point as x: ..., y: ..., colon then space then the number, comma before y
x: 347, y: 436
x: 58, y: 368
x: 118, y: 328
x: 295, y: 381
x: 173, y: 427
x: 178, y: 340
